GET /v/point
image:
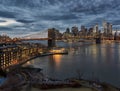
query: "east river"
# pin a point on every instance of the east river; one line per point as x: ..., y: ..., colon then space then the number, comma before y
x: 93, y: 61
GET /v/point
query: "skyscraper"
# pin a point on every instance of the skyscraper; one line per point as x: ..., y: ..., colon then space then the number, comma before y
x: 74, y: 30
x: 107, y: 27
x: 110, y: 28
x: 95, y: 29
x: 67, y: 30
x: 82, y: 28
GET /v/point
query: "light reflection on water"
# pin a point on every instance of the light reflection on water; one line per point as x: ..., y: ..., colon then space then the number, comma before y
x: 102, y: 60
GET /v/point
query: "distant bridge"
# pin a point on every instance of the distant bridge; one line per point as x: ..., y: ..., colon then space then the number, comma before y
x: 43, y: 35
x: 25, y: 39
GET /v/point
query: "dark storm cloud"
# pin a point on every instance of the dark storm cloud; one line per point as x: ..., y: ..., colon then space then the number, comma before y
x: 5, y: 29
x: 7, y: 14
x: 25, y: 21
x: 36, y: 15
x: 116, y: 22
x: 59, y: 17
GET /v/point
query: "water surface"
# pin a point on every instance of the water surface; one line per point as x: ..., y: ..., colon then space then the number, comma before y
x: 101, y: 61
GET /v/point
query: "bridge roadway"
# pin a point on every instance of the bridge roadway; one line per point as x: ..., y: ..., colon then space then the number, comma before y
x: 23, y: 39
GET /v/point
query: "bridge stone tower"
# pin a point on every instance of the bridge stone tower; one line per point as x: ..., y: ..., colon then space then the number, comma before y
x: 51, y: 37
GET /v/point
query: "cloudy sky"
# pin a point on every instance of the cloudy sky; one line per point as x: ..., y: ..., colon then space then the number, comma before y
x: 22, y: 17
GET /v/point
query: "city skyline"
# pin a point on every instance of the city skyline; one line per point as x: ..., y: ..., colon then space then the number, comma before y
x: 59, y: 45
x: 22, y: 17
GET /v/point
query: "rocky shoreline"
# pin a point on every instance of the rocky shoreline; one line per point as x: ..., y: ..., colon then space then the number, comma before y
x: 25, y: 78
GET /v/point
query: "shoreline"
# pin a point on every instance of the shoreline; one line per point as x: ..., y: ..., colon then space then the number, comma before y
x: 18, y: 78
x: 39, y: 55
